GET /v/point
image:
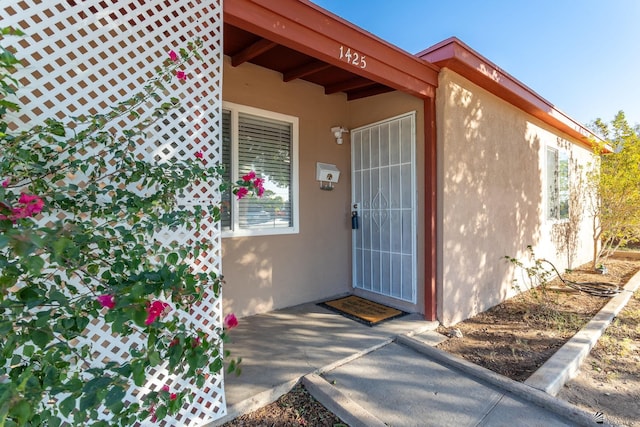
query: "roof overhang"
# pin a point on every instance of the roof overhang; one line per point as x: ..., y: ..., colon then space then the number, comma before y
x: 457, y: 56
x: 302, y: 40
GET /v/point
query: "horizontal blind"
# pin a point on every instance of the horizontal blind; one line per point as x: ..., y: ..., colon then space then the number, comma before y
x: 225, y: 208
x: 264, y: 146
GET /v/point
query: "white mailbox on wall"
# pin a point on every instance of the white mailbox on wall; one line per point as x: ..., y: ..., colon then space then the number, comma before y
x: 327, y: 174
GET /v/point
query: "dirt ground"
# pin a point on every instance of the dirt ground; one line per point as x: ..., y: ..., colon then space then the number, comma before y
x: 609, y: 380
x: 514, y: 339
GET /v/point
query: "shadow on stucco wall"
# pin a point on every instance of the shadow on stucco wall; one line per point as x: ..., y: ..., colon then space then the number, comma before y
x: 491, y: 201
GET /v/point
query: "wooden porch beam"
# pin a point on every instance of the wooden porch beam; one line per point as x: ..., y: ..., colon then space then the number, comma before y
x: 304, y: 70
x: 366, y: 92
x: 347, y: 85
x: 250, y: 52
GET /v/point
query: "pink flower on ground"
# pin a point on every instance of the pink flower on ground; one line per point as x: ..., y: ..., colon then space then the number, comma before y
x: 248, y: 177
x: 108, y: 301
x: 241, y: 192
x: 199, y: 155
x: 173, y: 56
x: 181, y: 75
x: 155, y: 309
x: 230, y: 321
x: 6, y: 182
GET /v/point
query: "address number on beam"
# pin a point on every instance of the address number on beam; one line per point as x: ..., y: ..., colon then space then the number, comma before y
x: 352, y: 57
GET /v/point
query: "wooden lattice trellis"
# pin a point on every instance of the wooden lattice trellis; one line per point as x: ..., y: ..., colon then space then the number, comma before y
x: 83, y: 56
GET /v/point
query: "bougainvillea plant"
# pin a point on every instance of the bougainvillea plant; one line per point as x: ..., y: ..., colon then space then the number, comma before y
x: 79, y: 221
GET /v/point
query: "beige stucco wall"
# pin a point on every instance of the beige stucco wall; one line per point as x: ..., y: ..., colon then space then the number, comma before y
x: 271, y: 272
x: 268, y: 272
x: 491, y: 199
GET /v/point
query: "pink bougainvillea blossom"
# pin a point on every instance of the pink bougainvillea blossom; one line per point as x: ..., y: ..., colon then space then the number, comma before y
x: 173, y: 56
x: 28, y: 206
x: 156, y: 309
x: 108, y: 301
x: 196, y: 342
x: 258, y: 183
x: 152, y: 412
x: 6, y: 182
x: 181, y: 75
x: 241, y: 192
x: 248, y: 177
x: 199, y: 155
x: 172, y: 396
x: 230, y: 321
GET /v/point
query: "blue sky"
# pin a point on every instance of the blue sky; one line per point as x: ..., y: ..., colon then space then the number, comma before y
x: 583, y: 56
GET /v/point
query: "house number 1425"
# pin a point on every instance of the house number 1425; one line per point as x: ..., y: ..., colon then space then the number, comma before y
x: 352, y: 57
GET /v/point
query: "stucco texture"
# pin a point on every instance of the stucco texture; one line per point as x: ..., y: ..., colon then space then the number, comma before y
x: 491, y: 202
x: 264, y: 273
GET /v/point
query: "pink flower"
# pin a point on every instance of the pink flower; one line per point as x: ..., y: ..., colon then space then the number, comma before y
x: 156, y: 309
x: 258, y: 183
x: 174, y: 341
x: 241, y: 192
x: 108, y: 301
x: 248, y: 177
x: 31, y: 205
x: 196, y: 342
x: 181, y: 75
x: 6, y: 182
x: 152, y: 412
x: 230, y: 321
x: 173, y: 56
x: 172, y: 396
x: 199, y: 155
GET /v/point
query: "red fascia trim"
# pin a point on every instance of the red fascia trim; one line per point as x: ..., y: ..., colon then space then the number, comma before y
x: 307, y: 28
x: 457, y: 56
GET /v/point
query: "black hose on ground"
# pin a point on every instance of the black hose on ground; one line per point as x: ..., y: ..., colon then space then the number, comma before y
x: 599, y: 289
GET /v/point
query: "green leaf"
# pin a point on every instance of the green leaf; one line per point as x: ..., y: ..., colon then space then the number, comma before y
x: 138, y: 373
x: 67, y: 405
x: 21, y: 411
x: 154, y: 358
x: 28, y: 350
x: 96, y: 384
x: 172, y: 258
x: 41, y: 337
x: 114, y: 396
x: 88, y: 401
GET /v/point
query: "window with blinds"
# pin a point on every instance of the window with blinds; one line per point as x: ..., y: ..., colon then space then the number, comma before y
x: 557, y: 184
x: 264, y: 142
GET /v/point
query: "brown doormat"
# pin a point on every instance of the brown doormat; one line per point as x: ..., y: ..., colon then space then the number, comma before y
x: 362, y: 310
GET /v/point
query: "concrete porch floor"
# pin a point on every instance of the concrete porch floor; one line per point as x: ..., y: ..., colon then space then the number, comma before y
x: 279, y: 347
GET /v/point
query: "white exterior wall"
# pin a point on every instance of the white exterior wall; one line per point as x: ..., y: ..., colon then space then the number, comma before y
x: 492, y: 201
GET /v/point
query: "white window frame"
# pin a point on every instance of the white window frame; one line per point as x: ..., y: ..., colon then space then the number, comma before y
x: 236, y: 231
x: 553, y: 195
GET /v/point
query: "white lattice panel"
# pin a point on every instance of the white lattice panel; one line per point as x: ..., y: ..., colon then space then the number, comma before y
x: 84, y: 56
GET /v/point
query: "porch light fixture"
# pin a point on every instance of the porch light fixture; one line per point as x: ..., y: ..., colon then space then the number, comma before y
x: 337, y: 132
x: 327, y: 174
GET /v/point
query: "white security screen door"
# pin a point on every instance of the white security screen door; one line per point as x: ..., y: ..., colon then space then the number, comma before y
x: 383, y: 196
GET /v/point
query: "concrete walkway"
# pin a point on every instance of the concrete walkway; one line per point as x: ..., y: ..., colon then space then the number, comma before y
x: 389, y: 374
